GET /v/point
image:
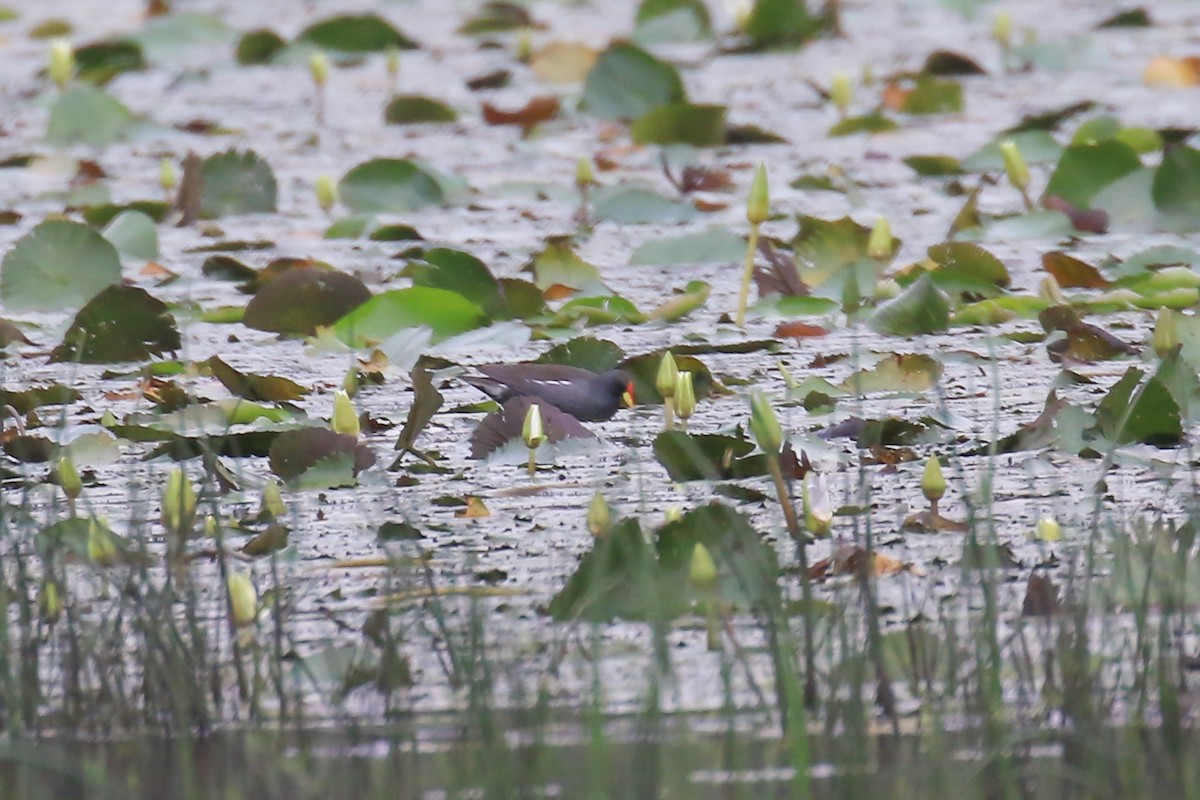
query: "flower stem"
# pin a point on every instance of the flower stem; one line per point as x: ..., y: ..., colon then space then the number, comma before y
x: 747, y: 274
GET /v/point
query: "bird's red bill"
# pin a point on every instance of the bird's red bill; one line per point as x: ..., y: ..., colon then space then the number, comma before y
x: 628, y: 397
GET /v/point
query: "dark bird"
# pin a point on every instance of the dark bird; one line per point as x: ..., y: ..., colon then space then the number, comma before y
x: 587, y: 396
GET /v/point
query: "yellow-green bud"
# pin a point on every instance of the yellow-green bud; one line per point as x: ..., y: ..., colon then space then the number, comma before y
x: 885, y: 289
x: 599, y: 516
x: 168, y: 179
x: 345, y: 416
x: 673, y: 514
x: 179, y: 502
x: 272, y: 506
x: 101, y: 549
x: 742, y: 10
x: 879, y: 244
x: 841, y: 92
x: 702, y: 570
x: 1166, y: 332
x: 350, y: 382
x: 758, y: 205
x: 211, y: 527
x: 1002, y: 28
x: 1014, y: 164
x: 933, y: 483
x: 68, y: 477
x: 243, y: 599
x: 524, y: 46
x: 532, y: 431
x: 818, y: 508
x: 393, y: 62
x: 62, y: 62
x: 327, y: 193
x: 685, y: 395
x: 764, y: 424
x: 318, y: 67
x: 665, y: 378
x: 789, y: 380
x: 1048, y: 530
x: 1050, y: 291
x: 583, y: 172
x: 50, y: 602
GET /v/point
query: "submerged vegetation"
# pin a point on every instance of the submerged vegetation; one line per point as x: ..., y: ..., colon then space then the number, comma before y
x: 905, y: 503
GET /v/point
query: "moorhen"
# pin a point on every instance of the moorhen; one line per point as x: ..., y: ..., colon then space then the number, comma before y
x: 587, y: 396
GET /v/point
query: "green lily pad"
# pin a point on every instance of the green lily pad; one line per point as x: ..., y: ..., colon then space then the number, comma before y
x: 559, y: 265
x: 265, y: 388
x: 416, y: 109
x: 236, y: 182
x: 901, y: 372
x: 100, y: 62
x: 921, y: 308
x: 1176, y: 188
x: 1036, y: 146
x: 444, y: 312
x: 389, y: 185
x: 122, y: 323
x: 1136, y: 411
x: 496, y: 16
x: 87, y: 115
x: 171, y: 36
x: 101, y: 215
x: 784, y: 23
x: 301, y: 300
x: 643, y: 369
x: 133, y: 234
x: 626, y: 82
x: 929, y: 166
x: 672, y: 21
x: 933, y: 95
x: 454, y: 270
x: 258, y: 47
x: 295, y: 452
x: 966, y: 267
x: 711, y: 245
x: 59, y: 264
x: 364, y: 33
x: 681, y: 123
x: 1085, y: 169
x: 875, y: 122
x: 585, y: 352
x: 631, y: 205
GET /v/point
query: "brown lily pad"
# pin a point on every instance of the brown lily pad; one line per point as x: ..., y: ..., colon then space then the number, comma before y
x: 500, y: 427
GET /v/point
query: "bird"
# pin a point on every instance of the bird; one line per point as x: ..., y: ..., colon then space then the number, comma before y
x: 588, y: 396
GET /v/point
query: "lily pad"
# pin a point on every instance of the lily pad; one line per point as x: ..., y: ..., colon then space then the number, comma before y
x: 921, y: 308
x: 133, y: 234
x: 236, y: 182
x: 389, y: 185
x: 711, y: 245
x: 416, y: 109
x: 681, y: 123
x: 444, y: 312
x: 349, y: 33
x: 559, y: 265
x: 100, y: 62
x: 87, y: 115
x: 301, y: 300
x: 626, y: 82
x: 122, y: 323
x: 1085, y: 169
x: 59, y: 264
x: 258, y: 47
x: 672, y: 21
x: 784, y: 23
x: 1176, y: 188
x: 631, y: 205
x: 297, y: 451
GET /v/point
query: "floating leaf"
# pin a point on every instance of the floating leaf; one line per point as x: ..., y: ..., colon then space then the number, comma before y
x: 529, y: 116
x: 301, y: 300
x: 454, y: 270
x: 501, y: 427
x: 295, y: 452
x: 967, y: 267
x: 707, y: 457
x: 172, y: 36
x: 236, y: 182
x: 258, y: 47
x: 1176, y: 188
x: 266, y: 388
x: 416, y: 109
x: 585, y: 352
x: 784, y: 23
x: 122, y: 323
x: 626, y: 82
x: 900, y: 372
x: 365, y: 33
x: 1036, y: 146
x: 875, y: 122
x: 563, y: 62
x: 681, y: 123
x: 643, y: 369
x: 930, y: 95
x: 1134, y: 411
x: 100, y: 62
x: 1071, y: 273
x: 711, y: 245
x: 1085, y: 169
x: 672, y: 21
x: 496, y: 16
x: 101, y: 215
x: 559, y: 265
x: 134, y: 234
x: 59, y: 264
x: 426, y: 402
x: 921, y: 308
x: 25, y: 400
x: 929, y: 166
x: 389, y: 185
x: 444, y: 312
x: 86, y: 115
x: 631, y: 205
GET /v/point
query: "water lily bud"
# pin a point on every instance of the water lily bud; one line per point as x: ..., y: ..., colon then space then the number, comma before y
x: 392, y: 57
x: 685, y: 395
x: 243, y: 599
x: 50, y: 602
x: 1050, y: 291
x: 673, y: 514
x: 758, y: 206
x: 1048, y: 530
x: 179, y: 502
x: 599, y: 516
x: 885, y: 289
x: 318, y: 67
x: 271, y: 506
x: 345, y: 417
x: 702, y: 570
x: 789, y: 380
x: 62, y: 62
x: 1002, y: 28
x: 879, y: 245
x: 841, y: 92
x: 326, y: 193
x: 211, y: 527
x: 1014, y: 164
x: 583, y: 172
x: 764, y: 424
x: 817, y: 505
x: 1166, y: 332
x: 100, y: 546
x: 933, y: 483
x: 68, y: 477
x: 524, y: 46
x: 532, y: 431
x: 741, y: 11
x: 168, y: 178
x: 665, y: 378
x: 350, y: 382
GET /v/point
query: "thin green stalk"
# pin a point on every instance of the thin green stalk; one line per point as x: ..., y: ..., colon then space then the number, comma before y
x: 747, y: 275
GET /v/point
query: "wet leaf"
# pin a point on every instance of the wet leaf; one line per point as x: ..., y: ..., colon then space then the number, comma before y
x: 751, y: 134
x: 86, y: 115
x: 929, y: 166
x: 416, y: 109
x: 706, y: 457
x: 606, y: 309
x: 967, y: 267
x: 236, y: 182
x: 626, y: 82
x: 1175, y: 73
x: 1037, y: 147
x: 614, y: 580
x: 59, y: 264
x: 558, y: 265
x: 946, y: 62
x: 1085, y: 169
x: 681, y: 123
x: 270, y: 540
x: 171, y: 36
x: 529, y: 116
x: 693, y: 296
x: 100, y: 215
x: 454, y: 270
x: 496, y: 16
x: 258, y: 47
x: 399, y: 531
x: 100, y: 62
x: 295, y: 452
x: 930, y: 95
x: 11, y: 334
x: 672, y: 21
x: 921, y: 308
x: 122, y: 323
x: 425, y: 403
x: 1089, y: 220
x: 874, y: 122
x: 631, y: 205
x: 643, y: 370
x: 563, y: 62
x: 389, y: 185
x: 585, y: 352
x: 711, y: 245
x: 365, y: 33
x: 1137, y: 411
x: 133, y: 234
x: 1079, y: 340
x: 1176, y: 188
x: 501, y: 427
x: 785, y: 23
x: 76, y: 538
x: 799, y: 330
x: 25, y: 400
x: 444, y: 312
x: 901, y: 372
x: 301, y: 300
x: 1071, y: 273
x: 496, y: 79
x: 267, y: 388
